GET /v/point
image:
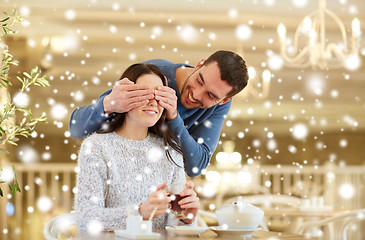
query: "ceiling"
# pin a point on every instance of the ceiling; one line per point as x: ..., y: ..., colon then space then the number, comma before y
x: 90, y: 43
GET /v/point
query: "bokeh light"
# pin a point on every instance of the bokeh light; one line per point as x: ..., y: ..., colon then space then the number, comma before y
x: 27, y: 154
x: 59, y: 111
x: 243, y: 32
x: 244, y: 177
x: 346, y: 191
x: 10, y: 209
x: 21, y: 100
x: 275, y: 62
x: 299, y: 131
x: 188, y: 33
x: 300, y: 3
x: 352, y: 62
x: 70, y: 14
x: 271, y: 144
x: 213, y: 176
x: 44, y: 204
x: 316, y: 85
x: 6, y: 174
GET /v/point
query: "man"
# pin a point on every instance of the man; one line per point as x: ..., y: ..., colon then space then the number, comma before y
x: 197, y: 102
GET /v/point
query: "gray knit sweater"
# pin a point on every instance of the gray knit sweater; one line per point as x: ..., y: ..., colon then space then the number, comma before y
x: 115, y: 173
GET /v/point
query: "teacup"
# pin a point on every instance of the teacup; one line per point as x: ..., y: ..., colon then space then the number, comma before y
x: 174, y: 191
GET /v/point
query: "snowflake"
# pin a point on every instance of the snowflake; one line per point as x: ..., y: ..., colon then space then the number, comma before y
x: 44, y: 204
x: 154, y: 154
x: 94, y: 227
x: 21, y: 100
x: 6, y: 174
x: 299, y: 131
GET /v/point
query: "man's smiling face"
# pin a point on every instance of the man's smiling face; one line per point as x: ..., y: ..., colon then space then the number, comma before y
x: 204, y: 88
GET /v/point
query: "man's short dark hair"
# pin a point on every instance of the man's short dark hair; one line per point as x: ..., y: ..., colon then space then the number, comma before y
x: 233, y: 70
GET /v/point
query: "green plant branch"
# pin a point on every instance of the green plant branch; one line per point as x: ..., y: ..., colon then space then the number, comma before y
x: 5, y: 67
x: 7, y: 59
x: 33, y: 79
x: 10, y: 131
x: 8, y: 22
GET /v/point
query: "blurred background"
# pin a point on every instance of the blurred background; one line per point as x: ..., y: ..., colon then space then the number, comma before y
x: 298, y: 128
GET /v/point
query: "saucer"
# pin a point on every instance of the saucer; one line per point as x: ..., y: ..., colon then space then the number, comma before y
x: 123, y: 233
x: 223, y: 231
x: 186, y: 230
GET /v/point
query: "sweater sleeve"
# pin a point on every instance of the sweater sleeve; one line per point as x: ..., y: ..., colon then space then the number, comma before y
x: 92, y: 191
x: 88, y: 119
x: 199, y: 144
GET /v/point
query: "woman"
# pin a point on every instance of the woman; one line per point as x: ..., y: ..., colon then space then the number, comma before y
x: 130, y: 162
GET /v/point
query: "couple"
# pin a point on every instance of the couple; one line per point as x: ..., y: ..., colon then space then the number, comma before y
x: 156, y: 134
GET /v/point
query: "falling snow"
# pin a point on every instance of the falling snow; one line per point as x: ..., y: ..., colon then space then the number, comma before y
x: 306, y: 103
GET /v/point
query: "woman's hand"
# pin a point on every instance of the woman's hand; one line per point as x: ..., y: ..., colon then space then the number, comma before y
x: 157, y: 199
x: 190, y: 203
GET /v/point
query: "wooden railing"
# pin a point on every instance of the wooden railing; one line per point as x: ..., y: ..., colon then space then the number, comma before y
x: 54, y: 181
x: 57, y: 181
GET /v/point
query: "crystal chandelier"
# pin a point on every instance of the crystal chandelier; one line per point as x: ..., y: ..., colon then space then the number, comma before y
x: 318, y: 51
x: 258, y: 87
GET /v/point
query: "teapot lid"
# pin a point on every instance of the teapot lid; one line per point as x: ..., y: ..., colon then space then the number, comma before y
x: 240, y: 206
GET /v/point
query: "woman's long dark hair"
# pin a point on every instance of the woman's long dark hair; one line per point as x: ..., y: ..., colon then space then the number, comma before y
x: 133, y: 72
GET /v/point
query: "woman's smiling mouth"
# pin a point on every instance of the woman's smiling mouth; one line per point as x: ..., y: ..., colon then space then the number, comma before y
x: 150, y: 112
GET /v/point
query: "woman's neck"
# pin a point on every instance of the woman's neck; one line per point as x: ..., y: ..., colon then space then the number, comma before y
x: 132, y: 132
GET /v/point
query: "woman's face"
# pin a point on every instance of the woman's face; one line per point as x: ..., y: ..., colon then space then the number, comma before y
x: 149, y: 114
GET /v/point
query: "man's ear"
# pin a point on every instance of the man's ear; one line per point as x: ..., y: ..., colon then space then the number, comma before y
x: 225, y: 101
x: 200, y: 63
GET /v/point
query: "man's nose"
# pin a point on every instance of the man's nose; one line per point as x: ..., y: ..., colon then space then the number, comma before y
x: 198, y: 94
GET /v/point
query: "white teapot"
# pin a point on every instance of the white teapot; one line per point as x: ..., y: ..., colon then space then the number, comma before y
x: 240, y: 215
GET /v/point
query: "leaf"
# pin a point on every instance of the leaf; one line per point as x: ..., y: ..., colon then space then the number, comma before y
x: 26, y: 135
x: 4, y: 150
x: 17, y: 186
x: 43, y: 82
x: 27, y: 75
x: 32, y: 123
x: 13, y: 167
x: 11, y: 189
x: 5, y: 19
x: 14, y: 189
x: 21, y: 80
x: 8, y: 116
x: 34, y: 70
x: 12, y: 143
x: 36, y: 76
